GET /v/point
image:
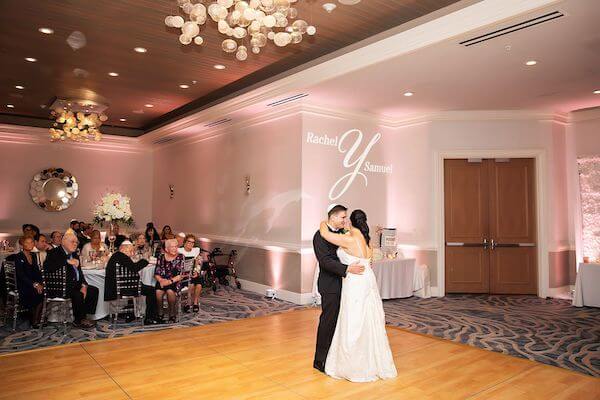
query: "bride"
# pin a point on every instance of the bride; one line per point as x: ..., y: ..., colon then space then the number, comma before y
x: 359, y: 351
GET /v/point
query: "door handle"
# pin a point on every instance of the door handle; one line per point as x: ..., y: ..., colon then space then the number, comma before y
x: 493, y: 244
x: 485, y: 243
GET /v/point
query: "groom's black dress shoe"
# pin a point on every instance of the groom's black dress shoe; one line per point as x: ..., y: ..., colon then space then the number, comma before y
x: 320, y: 365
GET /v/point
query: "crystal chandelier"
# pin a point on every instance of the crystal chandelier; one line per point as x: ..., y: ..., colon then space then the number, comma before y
x: 254, y: 21
x: 77, y: 120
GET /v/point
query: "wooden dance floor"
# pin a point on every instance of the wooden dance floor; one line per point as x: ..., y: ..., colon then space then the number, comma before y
x: 271, y: 358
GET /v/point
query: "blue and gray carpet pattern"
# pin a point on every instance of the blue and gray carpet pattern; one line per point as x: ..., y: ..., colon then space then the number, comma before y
x: 550, y: 331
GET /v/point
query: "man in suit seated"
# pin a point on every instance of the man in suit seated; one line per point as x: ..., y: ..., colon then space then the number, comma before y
x: 83, y: 296
x: 121, y: 258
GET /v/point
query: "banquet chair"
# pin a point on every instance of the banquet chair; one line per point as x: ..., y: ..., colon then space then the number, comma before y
x: 129, y: 287
x: 55, y: 293
x: 12, y: 293
x: 183, y: 294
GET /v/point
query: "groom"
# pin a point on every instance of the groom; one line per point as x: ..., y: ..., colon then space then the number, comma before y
x: 331, y: 272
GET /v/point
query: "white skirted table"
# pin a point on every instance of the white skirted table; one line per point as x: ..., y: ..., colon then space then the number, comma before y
x: 587, y: 286
x: 396, y: 278
x: 96, y: 277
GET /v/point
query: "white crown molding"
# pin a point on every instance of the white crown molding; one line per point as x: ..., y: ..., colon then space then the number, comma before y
x: 584, y: 115
x: 27, y: 135
x: 410, y: 37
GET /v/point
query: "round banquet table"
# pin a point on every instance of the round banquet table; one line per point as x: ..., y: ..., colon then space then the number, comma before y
x: 96, y: 277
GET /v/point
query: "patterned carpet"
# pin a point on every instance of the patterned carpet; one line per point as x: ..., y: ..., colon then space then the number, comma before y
x: 549, y: 331
x: 225, y: 305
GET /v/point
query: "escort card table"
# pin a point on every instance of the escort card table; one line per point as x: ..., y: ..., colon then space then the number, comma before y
x: 395, y: 277
x: 587, y: 286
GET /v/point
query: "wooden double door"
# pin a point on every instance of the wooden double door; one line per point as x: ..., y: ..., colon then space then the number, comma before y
x: 490, y: 226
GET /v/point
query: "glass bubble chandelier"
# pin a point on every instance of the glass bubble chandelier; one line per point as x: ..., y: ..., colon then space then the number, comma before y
x: 77, y: 126
x: 254, y: 22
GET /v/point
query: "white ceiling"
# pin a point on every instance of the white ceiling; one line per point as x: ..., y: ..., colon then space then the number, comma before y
x: 448, y: 76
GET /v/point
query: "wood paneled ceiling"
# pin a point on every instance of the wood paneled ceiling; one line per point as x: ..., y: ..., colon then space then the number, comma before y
x: 113, y: 28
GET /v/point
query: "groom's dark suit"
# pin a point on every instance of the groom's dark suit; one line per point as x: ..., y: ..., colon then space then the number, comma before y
x: 331, y: 272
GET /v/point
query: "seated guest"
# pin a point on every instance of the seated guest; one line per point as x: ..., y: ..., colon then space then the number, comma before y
x: 166, y: 230
x: 152, y: 235
x: 94, y: 250
x: 180, y: 239
x: 40, y: 249
x: 121, y: 258
x: 190, y: 252
x: 83, y: 296
x: 28, y: 230
x: 140, y: 247
x: 55, y: 239
x: 168, y: 274
x: 29, y: 281
x: 75, y: 226
x: 85, y: 235
x: 118, y: 237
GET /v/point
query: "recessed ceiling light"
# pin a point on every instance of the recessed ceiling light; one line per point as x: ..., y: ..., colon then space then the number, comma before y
x: 113, y: 73
x: 408, y: 94
x: 19, y: 87
x: 596, y: 91
x: 122, y: 119
x: 47, y: 31
x: 149, y: 105
x: 219, y: 66
x: 329, y: 7
x: 530, y: 63
x: 184, y: 86
x: 10, y: 106
x: 140, y: 49
x: 30, y: 59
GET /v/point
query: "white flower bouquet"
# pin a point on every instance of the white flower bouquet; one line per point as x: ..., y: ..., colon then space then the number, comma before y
x: 113, y: 207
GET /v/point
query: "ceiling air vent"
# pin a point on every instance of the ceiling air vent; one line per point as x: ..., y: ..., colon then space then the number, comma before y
x: 219, y: 122
x: 513, y: 28
x: 163, y: 140
x: 287, y: 100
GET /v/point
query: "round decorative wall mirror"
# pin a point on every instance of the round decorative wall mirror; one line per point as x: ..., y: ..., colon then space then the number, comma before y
x: 54, y: 189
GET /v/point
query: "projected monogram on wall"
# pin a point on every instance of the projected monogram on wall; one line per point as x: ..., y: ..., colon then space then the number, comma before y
x: 355, y: 159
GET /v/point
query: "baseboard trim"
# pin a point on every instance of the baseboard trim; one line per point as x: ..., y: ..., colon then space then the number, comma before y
x: 293, y: 297
x: 559, y: 292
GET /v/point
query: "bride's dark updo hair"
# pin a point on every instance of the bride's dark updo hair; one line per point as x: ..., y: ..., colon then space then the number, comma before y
x: 358, y: 218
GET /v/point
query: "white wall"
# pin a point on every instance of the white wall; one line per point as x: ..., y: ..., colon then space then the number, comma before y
x: 119, y: 164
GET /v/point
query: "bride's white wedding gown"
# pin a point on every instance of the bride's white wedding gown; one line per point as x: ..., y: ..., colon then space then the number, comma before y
x: 360, y: 351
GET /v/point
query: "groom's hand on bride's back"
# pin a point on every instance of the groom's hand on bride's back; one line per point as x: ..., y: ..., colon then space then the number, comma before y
x: 355, y: 269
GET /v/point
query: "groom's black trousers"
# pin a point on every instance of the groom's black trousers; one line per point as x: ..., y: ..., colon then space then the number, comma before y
x: 330, y: 306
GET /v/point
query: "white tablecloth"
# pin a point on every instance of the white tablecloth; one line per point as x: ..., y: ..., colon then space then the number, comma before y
x: 96, y: 277
x: 395, y: 278
x: 587, y: 286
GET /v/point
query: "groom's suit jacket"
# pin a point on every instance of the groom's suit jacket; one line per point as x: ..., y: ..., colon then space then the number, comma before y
x: 331, y: 270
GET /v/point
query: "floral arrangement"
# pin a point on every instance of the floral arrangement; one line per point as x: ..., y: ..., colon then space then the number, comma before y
x: 113, y: 207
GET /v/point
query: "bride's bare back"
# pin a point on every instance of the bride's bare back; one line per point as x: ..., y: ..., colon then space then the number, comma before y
x: 358, y: 247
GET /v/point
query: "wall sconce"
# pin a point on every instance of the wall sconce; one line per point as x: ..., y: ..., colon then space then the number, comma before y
x: 172, y: 191
x: 247, y: 178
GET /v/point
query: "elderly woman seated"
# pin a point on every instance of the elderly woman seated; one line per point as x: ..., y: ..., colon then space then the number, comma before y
x: 190, y: 252
x: 29, y: 280
x: 121, y: 258
x: 168, y: 274
x: 140, y: 247
x: 93, y: 251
